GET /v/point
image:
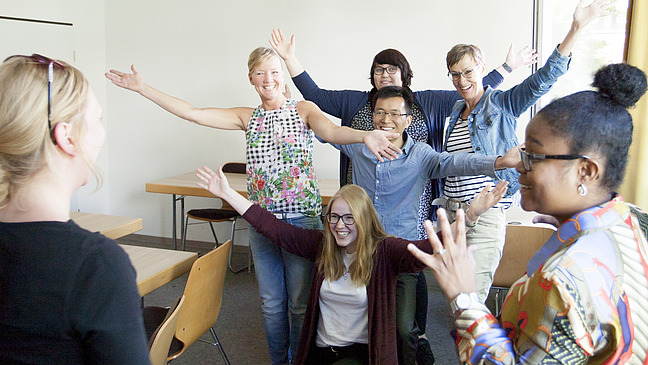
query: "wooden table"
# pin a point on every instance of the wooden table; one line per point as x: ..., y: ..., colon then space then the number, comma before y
x: 156, y: 266
x: 111, y: 226
x: 183, y: 185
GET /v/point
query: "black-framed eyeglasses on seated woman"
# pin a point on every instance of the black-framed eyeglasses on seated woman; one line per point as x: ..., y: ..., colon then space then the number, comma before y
x: 390, y: 70
x: 50, y: 77
x: 347, y: 219
x: 528, y: 157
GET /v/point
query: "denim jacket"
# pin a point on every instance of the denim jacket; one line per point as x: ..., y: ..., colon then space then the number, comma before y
x: 493, y: 122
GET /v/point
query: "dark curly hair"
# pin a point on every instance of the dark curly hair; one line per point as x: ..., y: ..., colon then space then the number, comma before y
x: 598, y: 121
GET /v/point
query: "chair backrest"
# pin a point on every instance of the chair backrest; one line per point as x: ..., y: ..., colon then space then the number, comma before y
x: 522, y: 242
x: 234, y: 167
x: 161, y: 339
x: 204, y: 295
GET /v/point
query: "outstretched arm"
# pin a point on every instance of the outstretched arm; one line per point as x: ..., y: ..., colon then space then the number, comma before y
x: 217, y: 184
x: 377, y: 141
x: 583, y: 15
x: 514, y: 60
x: 221, y: 118
x: 286, y: 50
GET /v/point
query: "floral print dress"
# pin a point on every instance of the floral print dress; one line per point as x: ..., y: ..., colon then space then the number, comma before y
x: 280, y: 172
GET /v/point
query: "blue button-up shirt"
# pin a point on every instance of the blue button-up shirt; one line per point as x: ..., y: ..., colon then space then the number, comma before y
x: 395, y: 187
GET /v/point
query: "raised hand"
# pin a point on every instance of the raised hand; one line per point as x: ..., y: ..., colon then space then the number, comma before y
x: 452, y: 263
x: 583, y: 15
x: 283, y: 48
x: 133, y: 81
x: 486, y: 199
x: 525, y: 56
x: 379, y: 144
x: 215, y: 183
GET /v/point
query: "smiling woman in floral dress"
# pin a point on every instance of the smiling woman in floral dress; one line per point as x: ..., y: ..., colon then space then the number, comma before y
x: 281, y: 178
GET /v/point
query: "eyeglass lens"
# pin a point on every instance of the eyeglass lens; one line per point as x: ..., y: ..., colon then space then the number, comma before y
x: 346, y: 219
x: 390, y: 70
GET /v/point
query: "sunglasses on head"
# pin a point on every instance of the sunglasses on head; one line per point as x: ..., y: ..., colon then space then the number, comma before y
x: 50, y: 76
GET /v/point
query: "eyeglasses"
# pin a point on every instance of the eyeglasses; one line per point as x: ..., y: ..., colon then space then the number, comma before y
x: 50, y: 77
x: 467, y: 74
x: 528, y: 157
x: 390, y: 70
x: 380, y: 114
x: 347, y: 219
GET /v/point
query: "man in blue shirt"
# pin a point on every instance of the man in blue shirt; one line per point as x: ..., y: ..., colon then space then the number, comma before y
x: 395, y: 187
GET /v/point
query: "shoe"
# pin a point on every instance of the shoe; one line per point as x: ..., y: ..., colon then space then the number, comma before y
x: 424, y: 355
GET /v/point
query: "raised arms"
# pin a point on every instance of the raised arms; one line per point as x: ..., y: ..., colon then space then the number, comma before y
x: 221, y: 118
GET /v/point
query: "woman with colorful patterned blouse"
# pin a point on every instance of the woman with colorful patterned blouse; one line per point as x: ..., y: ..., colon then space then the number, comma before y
x: 582, y: 299
x: 281, y: 178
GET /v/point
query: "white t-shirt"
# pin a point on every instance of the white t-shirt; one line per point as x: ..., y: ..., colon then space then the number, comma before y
x: 343, y: 318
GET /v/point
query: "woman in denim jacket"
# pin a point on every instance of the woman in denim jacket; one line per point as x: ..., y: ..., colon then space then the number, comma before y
x: 485, y: 122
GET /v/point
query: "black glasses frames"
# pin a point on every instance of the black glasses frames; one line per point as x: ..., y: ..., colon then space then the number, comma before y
x: 528, y: 157
x: 347, y: 219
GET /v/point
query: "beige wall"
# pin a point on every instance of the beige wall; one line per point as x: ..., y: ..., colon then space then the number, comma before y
x: 197, y: 50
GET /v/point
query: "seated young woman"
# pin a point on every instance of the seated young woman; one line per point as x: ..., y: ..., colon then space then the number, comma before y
x: 351, y: 309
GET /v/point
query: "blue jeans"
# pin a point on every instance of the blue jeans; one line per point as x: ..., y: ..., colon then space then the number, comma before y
x: 284, y: 285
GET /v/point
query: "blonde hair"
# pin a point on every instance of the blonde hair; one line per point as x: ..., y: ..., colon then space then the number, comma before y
x: 460, y: 50
x: 26, y: 145
x: 370, y: 233
x: 258, y: 56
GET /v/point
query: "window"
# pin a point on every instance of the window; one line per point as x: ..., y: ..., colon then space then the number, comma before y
x: 601, y: 43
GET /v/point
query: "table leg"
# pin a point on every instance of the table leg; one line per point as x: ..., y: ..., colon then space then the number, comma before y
x: 174, y: 218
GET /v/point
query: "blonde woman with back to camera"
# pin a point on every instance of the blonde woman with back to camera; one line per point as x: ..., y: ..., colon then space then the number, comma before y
x: 67, y: 296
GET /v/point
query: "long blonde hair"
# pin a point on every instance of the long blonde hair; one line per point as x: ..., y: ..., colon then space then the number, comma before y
x: 26, y: 145
x: 370, y: 233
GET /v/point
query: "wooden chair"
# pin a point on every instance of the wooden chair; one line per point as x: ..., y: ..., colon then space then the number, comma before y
x: 160, y: 340
x: 203, y: 297
x: 523, y: 240
x: 224, y: 214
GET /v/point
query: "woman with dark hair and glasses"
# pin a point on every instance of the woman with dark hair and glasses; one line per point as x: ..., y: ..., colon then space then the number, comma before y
x: 67, y: 296
x: 430, y: 109
x: 351, y: 310
x: 582, y: 299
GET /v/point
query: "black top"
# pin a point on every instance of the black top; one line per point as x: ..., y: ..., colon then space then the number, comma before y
x: 67, y: 296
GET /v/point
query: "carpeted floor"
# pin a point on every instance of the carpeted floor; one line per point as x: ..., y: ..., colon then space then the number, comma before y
x: 239, y: 326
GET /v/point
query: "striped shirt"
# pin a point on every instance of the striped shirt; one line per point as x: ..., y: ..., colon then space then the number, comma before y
x: 465, y: 188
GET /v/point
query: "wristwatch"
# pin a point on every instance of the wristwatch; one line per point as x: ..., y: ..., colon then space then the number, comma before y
x: 507, y: 67
x: 463, y: 301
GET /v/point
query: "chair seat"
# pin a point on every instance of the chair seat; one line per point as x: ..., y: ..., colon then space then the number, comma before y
x: 153, y: 317
x: 214, y: 215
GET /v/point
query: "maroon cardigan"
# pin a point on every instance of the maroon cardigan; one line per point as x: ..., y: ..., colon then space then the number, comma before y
x: 391, y: 258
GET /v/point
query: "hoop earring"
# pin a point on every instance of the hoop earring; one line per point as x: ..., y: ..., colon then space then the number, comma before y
x: 582, y: 190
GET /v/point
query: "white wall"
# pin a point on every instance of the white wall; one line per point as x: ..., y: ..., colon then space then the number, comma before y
x: 88, y: 41
x: 197, y: 50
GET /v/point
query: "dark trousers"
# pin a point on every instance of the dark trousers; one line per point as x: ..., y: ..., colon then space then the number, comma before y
x: 356, y: 354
